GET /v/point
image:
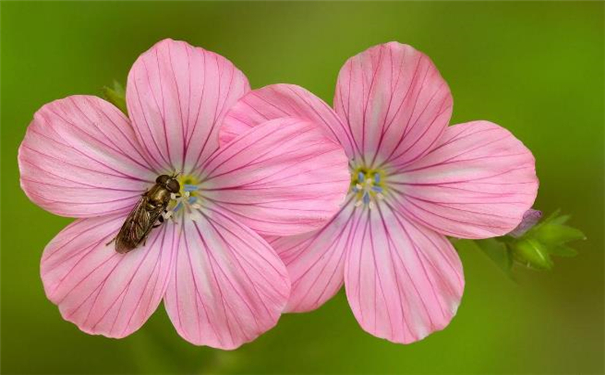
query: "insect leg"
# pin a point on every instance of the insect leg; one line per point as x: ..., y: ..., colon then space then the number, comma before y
x: 109, y: 243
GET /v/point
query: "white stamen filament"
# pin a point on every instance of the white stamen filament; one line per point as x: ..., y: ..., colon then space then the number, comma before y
x: 186, y: 202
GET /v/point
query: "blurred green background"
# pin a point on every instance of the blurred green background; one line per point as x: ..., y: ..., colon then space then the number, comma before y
x: 535, y: 68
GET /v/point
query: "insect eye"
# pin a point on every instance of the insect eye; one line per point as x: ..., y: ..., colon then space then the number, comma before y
x: 162, y: 179
x: 173, y: 186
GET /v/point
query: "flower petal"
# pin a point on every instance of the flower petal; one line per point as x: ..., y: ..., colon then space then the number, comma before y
x: 177, y: 96
x: 80, y: 158
x: 395, y: 101
x: 315, y: 260
x: 403, y: 281
x: 283, y: 177
x: 284, y: 100
x: 99, y: 290
x: 229, y: 286
x: 477, y: 183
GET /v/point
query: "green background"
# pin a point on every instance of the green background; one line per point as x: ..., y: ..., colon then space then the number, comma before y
x: 535, y: 68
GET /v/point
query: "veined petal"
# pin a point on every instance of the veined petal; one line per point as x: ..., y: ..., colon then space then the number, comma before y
x: 283, y: 177
x: 177, y: 96
x: 80, y: 158
x: 229, y: 286
x: 99, y: 290
x: 284, y: 100
x: 477, y: 183
x: 315, y: 260
x: 403, y: 281
x: 395, y: 101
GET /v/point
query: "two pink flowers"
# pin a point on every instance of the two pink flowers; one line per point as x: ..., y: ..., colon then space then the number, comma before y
x: 285, y: 198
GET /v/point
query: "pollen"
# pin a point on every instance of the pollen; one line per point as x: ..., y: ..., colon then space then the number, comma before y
x: 368, y: 187
x: 189, y: 184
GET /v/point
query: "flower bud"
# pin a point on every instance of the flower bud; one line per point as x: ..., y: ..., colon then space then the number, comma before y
x: 530, y: 218
x: 531, y: 253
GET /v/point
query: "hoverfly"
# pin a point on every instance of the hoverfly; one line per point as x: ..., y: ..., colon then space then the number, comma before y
x: 143, y: 217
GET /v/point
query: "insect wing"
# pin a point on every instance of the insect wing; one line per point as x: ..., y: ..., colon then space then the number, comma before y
x: 136, y: 227
x: 151, y: 218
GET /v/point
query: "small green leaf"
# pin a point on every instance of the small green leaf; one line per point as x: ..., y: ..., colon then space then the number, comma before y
x: 532, y: 253
x: 563, y: 251
x: 553, y: 216
x: 116, y: 96
x: 560, y: 220
x: 555, y: 234
x: 498, y: 253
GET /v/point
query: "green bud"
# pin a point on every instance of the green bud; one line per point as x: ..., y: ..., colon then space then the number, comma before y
x: 116, y: 96
x: 531, y: 244
x: 531, y: 253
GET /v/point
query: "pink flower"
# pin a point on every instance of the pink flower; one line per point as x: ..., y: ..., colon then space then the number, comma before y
x: 221, y: 282
x: 414, y: 181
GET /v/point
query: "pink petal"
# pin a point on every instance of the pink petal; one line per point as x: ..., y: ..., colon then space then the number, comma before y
x: 99, y: 290
x: 477, y: 183
x: 395, y: 102
x: 403, y: 281
x: 80, y: 158
x: 229, y: 286
x: 283, y: 177
x: 177, y: 96
x: 284, y: 100
x: 315, y: 260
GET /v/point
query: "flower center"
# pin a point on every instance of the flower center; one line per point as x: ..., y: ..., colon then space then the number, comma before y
x: 367, y: 186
